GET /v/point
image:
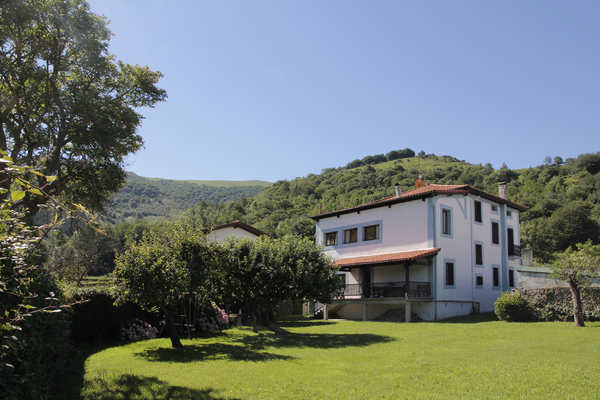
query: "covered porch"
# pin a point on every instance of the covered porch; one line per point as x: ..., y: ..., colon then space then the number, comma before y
x: 383, y: 280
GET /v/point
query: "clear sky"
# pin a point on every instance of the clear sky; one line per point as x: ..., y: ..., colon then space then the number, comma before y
x: 274, y: 89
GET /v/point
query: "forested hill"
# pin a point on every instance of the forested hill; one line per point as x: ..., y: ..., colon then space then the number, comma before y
x: 564, y: 196
x: 151, y: 198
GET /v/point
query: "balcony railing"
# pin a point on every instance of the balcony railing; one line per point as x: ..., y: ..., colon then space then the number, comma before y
x: 514, y: 251
x: 385, y: 289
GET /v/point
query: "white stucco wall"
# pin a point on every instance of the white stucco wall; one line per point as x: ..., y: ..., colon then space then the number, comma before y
x: 459, y: 247
x: 417, y: 225
x: 221, y: 234
x: 402, y: 227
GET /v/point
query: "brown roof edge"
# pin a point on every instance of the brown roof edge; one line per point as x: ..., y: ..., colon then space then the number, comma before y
x: 237, y: 224
x: 421, y: 193
x: 388, y: 258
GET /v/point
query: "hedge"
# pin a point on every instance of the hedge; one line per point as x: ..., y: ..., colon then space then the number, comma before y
x: 98, y: 320
x: 556, y: 303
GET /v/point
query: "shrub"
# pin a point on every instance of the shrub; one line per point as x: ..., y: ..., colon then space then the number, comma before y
x: 513, y: 307
x: 219, y: 321
x: 98, y: 320
x: 138, y: 330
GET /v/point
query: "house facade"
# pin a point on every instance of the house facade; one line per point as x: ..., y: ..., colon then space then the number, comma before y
x: 437, y: 251
x: 237, y: 228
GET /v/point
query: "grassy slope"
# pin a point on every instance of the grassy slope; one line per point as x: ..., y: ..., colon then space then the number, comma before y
x: 357, y: 360
x: 218, y: 183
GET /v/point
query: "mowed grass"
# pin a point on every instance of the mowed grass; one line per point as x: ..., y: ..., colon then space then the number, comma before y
x: 355, y: 360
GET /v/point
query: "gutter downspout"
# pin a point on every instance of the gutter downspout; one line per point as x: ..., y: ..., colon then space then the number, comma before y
x: 434, y: 261
x: 504, y: 248
x: 471, y: 207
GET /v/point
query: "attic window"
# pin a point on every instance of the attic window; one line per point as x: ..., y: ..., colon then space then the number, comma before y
x: 478, y: 212
x: 494, y: 208
x: 371, y: 232
x: 351, y: 235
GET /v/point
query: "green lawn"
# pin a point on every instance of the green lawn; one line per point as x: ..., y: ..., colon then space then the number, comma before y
x: 354, y: 360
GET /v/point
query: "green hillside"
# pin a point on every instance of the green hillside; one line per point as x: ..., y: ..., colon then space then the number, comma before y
x: 283, y: 207
x: 153, y: 198
x: 564, y: 196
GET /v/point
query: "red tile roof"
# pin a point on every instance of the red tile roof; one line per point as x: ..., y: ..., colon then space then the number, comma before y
x: 423, y: 192
x: 411, y: 255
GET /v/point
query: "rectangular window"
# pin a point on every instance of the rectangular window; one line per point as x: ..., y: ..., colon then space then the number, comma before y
x: 496, y: 276
x: 478, y: 217
x: 511, y: 241
x: 479, y: 254
x: 479, y: 280
x: 449, y: 274
x: 494, y: 208
x: 351, y: 235
x: 446, y: 222
x: 495, y: 233
x: 331, y: 239
x: 371, y: 232
x: 509, y: 213
x: 511, y: 277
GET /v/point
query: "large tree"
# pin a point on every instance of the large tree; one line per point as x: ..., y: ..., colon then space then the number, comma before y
x: 577, y: 267
x: 165, y: 270
x: 264, y: 272
x: 67, y: 106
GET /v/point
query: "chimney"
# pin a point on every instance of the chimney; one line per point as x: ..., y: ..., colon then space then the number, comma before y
x: 398, y: 191
x: 502, y: 190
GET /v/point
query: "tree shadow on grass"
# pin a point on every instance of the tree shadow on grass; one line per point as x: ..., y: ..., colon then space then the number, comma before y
x: 302, y: 323
x: 470, y: 319
x: 210, y: 351
x: 136, y: 387
x: 73, y: 383
x: 254, y: 348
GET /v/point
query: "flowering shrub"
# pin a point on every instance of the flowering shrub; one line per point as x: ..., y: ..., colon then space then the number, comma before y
x: 219, y: 322
x: 139, y: 330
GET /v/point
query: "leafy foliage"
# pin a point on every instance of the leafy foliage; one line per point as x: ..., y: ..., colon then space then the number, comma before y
x: 513, y: 307
x: 35, y: 339
x: 265, y: 272
x: 67, y: 107
x: 577, y: 267
x: 284, y: 207
x: 556, y: 303
x: 164, y: 270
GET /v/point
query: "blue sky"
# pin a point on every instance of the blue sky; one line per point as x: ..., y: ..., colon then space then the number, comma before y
x: 274, y: 90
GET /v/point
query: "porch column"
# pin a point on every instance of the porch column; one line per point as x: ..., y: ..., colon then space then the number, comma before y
x: 365, y: 307
x: 325, y: 313
x: 407, y: 264
x: 407, y: 311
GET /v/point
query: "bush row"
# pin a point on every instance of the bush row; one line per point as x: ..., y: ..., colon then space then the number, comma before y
x: 546, y: 304
x: 556, y: 303
x: 98, y: 319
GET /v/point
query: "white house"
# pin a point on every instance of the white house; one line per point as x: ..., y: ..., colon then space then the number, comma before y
x: 237, y: 228
x: 438, y: 251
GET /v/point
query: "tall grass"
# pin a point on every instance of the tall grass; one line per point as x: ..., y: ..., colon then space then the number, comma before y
x: 355, y: 360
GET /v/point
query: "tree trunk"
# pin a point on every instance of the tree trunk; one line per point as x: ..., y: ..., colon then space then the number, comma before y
x: 252, y: 311
x: 264, y: 314
x: 175, y: 342
x: 577, y: 307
